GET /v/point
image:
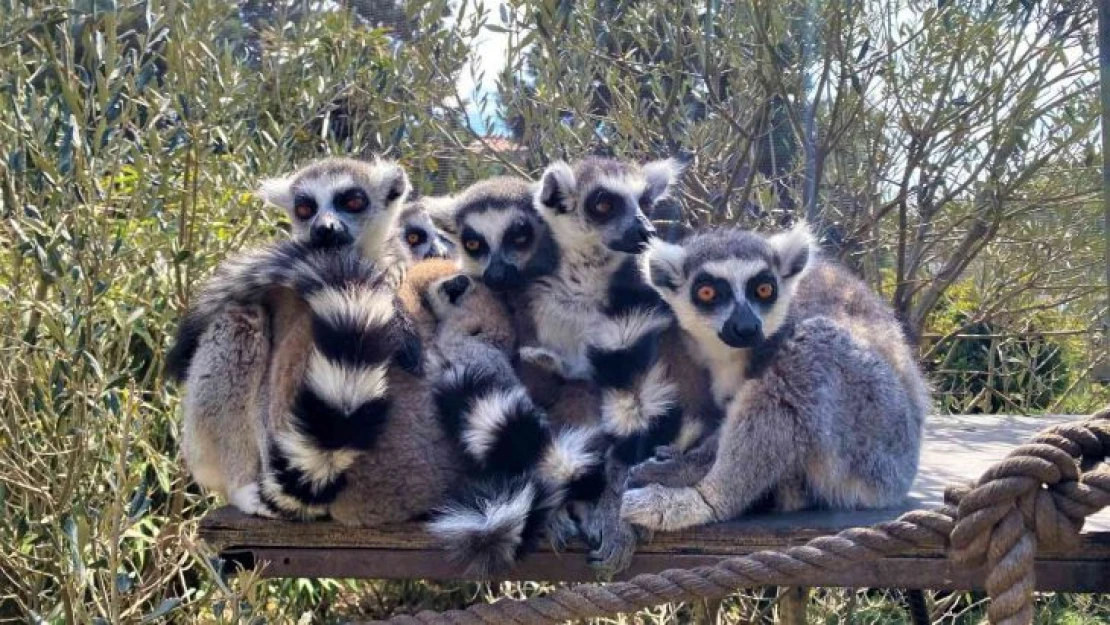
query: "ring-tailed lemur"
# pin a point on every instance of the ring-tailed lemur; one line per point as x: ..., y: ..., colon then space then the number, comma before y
x: 420, y: 238
x: 224, y: 361
x: 341, y: 401
x: 596, y: 317
x: 825, y: 400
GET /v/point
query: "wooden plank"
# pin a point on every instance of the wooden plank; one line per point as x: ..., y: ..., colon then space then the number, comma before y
x: 955, y: 448
x: 937, y: 573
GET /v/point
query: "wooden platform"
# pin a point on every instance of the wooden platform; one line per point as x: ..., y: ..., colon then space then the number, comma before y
x: 956, y: 449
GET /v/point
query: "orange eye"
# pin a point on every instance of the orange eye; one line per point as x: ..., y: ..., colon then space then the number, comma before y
x: 304, y: 210
x: 413, y: 238
x: 603, y: 207
x: 765, y: 290
x: 472, y: 245
x: 706, y: 294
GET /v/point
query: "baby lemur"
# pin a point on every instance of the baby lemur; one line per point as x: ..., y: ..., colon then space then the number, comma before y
x: 825, y: 403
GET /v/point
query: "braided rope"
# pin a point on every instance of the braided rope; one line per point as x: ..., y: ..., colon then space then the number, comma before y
x: 1038, y: 496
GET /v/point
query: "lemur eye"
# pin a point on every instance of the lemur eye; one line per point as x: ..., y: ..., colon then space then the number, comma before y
x: 355, y: 204
x: 603, y: 207
x: 706, y: 293
x: 415, y: 237
x: 765, y: 290
x: 472, y: 245
x: 304, y: 208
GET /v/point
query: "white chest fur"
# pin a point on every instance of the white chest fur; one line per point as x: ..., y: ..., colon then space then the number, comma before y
x: 567, y: 307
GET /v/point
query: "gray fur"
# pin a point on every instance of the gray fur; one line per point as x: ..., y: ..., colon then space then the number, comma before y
x: 832, y: 418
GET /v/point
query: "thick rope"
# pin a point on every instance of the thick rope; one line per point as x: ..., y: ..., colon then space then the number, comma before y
x: 1038, y: 495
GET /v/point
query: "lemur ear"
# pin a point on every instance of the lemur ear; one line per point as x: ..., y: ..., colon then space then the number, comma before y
x: 793, y: 249
x: 662, y: 264
x: 556, y: 190
x: 661, y: 176
x: 441, y: 210
x: 277, y: 191
x: 396, y: 183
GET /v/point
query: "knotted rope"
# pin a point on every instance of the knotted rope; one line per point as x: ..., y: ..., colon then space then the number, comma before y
x: 1038, y: 496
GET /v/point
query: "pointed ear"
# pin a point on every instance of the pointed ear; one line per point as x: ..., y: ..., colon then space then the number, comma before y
x: 441, y: 210
x: 794, y: 249
x: 662, y: 264
x: 277, y: 191
x: 396, y: 183
x: 661, y: 176
x: 556, y: 189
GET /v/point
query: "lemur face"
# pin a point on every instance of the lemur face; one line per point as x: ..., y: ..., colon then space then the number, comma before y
x: 604, y: 201
x: 501, y: 237
x: 419, y: 235
x: 465, y: 307
x: 338, y: 201
x: 730, y: 287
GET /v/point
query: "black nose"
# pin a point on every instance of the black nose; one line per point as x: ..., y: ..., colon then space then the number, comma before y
x: 634, y: 240
x: 500, y: 276
x: 455, y: 287
x: 330, y: 234
x: 743, y: 328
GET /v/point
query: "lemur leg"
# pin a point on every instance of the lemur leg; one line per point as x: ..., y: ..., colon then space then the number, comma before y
x: 757, y: 448
x: 221, y: 423
x: 675, y: 468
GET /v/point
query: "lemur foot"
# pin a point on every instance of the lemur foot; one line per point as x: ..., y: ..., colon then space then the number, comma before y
x: 614, y: 553
x: 248, y: 500
x: 665, y: 509
x: 561, y: 529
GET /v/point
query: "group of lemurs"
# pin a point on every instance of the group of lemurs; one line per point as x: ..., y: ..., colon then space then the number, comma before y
x: 525, y: 359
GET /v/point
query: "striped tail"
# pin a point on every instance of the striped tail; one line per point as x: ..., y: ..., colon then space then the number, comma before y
x: 640, y: 407
x: 524, y: 474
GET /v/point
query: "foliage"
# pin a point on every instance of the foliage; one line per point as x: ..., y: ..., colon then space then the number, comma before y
x: 132, y: 133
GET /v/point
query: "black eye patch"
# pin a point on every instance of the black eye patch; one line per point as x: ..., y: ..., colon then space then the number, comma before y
x: 352, y: 200
x: 474, y: 244
x: 415, y: 236
x: 601, y: 205
x: 762, y: 288
x: 518, y: 236
x: 709, y: 291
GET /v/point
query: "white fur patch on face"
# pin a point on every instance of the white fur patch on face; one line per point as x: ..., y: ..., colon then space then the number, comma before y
x: 492, y: 225
x: 569, y: 456
x: 361, y: 308
x: 736, y: 271
x: 343, y: 386
x: 487, y: 415
x: 629, y: 187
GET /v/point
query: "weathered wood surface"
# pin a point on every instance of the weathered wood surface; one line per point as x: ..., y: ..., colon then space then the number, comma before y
x: 956, y: 449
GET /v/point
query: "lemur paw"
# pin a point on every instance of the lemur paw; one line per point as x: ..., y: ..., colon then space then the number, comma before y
x: 561, y: 529
x: 614, y: 554
x: 667, y: 452
x: 248, y: 500
x: 664, y: 472
x: 660, y: 508
x: 544, y: 359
